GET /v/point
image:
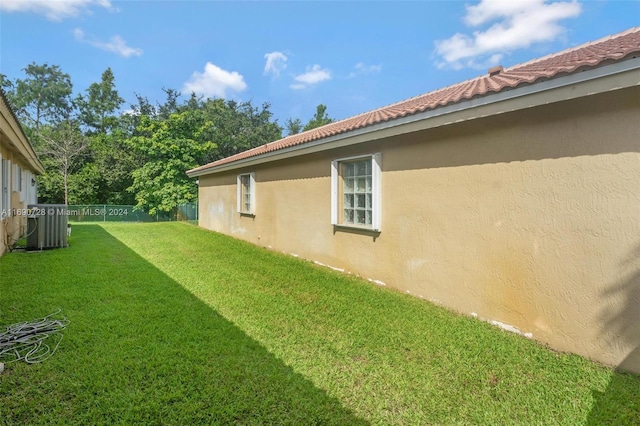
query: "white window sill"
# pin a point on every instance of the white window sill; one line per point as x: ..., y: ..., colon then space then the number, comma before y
x: 347, y: 227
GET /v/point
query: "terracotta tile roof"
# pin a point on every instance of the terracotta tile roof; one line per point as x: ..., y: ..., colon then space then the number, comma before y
x: 600, y: 52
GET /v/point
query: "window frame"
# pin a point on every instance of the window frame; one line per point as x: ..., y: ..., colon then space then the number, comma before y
x: 337, y: 183
x: 23, y: 184
x: 17, y: 178
x: 240, y: 194
x: 27, y: 188
x: 5, y: 187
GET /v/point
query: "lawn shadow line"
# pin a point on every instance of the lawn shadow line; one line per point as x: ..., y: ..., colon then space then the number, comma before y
x: 164, y: 356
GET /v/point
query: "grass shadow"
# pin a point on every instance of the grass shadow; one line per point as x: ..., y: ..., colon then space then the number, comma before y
x: 619, y: 403
x: 392, y: 358
x: 140, y: 349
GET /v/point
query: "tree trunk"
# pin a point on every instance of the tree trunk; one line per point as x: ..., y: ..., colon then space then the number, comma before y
x: 66, y: 189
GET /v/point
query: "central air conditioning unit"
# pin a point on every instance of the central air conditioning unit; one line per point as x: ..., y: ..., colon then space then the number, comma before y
x: 47, y: 226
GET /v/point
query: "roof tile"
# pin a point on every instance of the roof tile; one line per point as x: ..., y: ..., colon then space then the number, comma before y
x: 612, y: 48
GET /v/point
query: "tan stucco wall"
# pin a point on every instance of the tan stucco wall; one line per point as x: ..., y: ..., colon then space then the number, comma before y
x: 15, y: 147
x: 12, y: 228
x: 530, y: 219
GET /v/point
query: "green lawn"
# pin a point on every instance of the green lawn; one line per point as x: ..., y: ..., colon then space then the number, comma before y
x: 171, y: 324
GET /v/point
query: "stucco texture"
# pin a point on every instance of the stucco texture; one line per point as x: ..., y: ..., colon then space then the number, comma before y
x: 529, y: 218
x: 13, y: 227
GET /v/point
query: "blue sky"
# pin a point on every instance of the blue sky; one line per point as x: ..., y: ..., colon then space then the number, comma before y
x: 352, y: 56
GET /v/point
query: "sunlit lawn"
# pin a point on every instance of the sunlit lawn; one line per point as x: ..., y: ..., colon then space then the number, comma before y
x: 171, y: 324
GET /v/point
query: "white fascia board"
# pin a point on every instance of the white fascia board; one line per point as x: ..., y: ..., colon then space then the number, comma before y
x: 590, y: 82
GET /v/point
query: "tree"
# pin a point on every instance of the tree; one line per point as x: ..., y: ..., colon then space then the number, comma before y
x: 169, y: 148
x: 194, y: 102
x: 50, y: 186
x: 43, y: 96
x: 102, y: 100
x: 6, y: 84
x: 237, y: 127
x: 200, y: 132
x: 234, y: 126
x: 84, y: 185
x: 293, y: 126
x: 319, y: 119
x: 129, y: 121
x: 144, y: 107
x: 7, y: 87
x: 42, y: 100
x: 93, y: 155
x: 112, y: 165
x: 62, y: 145
x: 170, y: 105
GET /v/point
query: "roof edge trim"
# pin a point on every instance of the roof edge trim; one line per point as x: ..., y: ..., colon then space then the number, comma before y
x: 31, y: 155
x: 350, y: 137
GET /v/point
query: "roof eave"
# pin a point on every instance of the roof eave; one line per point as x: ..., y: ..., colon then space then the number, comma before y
x: 628, y: 72
x: 25, y: 149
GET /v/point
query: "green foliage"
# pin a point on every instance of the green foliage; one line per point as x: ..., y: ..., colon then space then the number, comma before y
x: 65, y: 148
x: 43, y: 96
x: 293, y: 127
x: 170, y: 105
x: 114, y: 162
x: 169, y: 147
x: 101, y: 102
x: 50, y: 185
x: 319, y: 119
x: 84, y: 185
x: 236, y: 127
x: 200, y: 132
x: 6, y: 85
x: 94, y: 154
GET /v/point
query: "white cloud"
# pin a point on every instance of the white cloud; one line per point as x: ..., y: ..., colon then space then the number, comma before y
x: 214, y: 82
x: 315, y: 74
x: 275, y: 63
x: 519, y: 25
x: 116, y: 44
x: 361, y: 68
x: 55, y: 10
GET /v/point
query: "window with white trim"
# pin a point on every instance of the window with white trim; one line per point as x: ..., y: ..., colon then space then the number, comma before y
x: 5, y: 208
x: 246, y: 193
x: 355, y: 192
x: 17, y: 178
x: 29, y: 188
x: 24, y: 184
x: 33, y: 196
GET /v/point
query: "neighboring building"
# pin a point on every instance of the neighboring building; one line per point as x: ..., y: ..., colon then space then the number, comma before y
x: 513, y: 197
x: 19, y: 166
